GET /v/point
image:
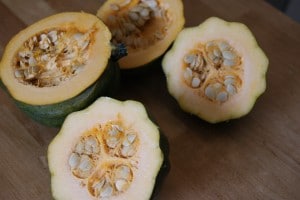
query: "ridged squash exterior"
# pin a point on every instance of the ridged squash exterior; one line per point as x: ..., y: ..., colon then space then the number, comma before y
x: 105, y: 119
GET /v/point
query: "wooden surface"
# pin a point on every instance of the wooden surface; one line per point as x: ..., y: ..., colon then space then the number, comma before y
x: 255, y: 157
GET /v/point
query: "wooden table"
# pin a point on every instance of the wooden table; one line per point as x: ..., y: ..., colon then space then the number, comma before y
x: 255, y: 157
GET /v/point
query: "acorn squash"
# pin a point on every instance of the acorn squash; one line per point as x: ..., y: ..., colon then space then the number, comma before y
x: 110, y: 150
x: 146, y: 27
x: 58, y: 65
x: 216, y: 71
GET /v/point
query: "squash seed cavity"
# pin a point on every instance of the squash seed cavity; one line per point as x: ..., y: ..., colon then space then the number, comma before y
x: 110, y: 180
x: 52, y: 57
x: 103, y: 159
x: 129, y: 20
x: 214, y: 70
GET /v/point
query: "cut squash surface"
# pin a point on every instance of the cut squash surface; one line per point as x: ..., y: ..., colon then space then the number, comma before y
x: 147, y: 27
x: 56, y: 58
x: 216, y: 70
x: 111, y: 150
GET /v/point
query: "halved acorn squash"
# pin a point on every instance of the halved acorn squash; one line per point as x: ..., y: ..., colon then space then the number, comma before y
x: 146, y: 27
x: 110, y: 150
x: 59, y: 65
x: 216, y: 70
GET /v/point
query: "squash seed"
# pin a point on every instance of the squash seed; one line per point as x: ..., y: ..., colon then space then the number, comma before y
x: 44, y: 42
x: 91, y: 145
x: 126, y: 143
x: 222, y: 96
x: 144, y: 13
x: 217, y: 53
x: 150, y: 3
x: 113, y: 131
x: 138, y: 8
x: 114, y: 7
x: 189, y: 58
x: 210, y: 92
x: 230, y: 89
x: 91, y: 141
x: 112, y: 142
x: 119, y: 128
x: 197, y: 63
x: 127, y: 151
x: 107, y: 191
x: 53, y: 36
x: 121, y: 184
x: 97, y: 186
x: 217, y: 86
x: 196, y: 82
x: 133, y: 16
x: 229, y: 63
x: 229, y: 55
x: 123, y: 172
x: 212, y: 56
x: 85, y: 163
x: 229, y: 76
x: 131, y: 137
x: 88, y: 149
x: 19, y: 73
x: 223, y: 46
x: 229, y: 81
x: 188, y: 74
x: 74, y: 160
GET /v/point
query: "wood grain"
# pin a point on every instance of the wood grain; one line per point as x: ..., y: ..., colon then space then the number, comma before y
x: 255, y: 157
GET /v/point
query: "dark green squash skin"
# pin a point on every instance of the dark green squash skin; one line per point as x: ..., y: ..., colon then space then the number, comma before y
x: 2, y: 85
x: 165, y: 167
x: 54, y: 114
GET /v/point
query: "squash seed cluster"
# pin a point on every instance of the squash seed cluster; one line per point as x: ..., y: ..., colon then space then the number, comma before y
x: 103, y: 159
x: 128, y: 20
x: 51, y: 57
x: 214, y: 69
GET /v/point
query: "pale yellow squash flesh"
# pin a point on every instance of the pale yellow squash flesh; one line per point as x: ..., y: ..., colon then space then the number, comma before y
x: 254, y: 60
x: 103, y: 110
x: 100, y: 51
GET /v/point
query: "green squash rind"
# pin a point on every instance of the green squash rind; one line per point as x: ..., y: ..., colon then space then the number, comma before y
x: 165, y: 167
x: 166, y: 164
x: 54, y: 114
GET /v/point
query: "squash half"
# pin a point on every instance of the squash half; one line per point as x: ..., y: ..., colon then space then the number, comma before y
x: 99, y: 54
x: 111, y: 150
x: 58, y: 65
x: 216, y: 70
x: 147, y: 28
